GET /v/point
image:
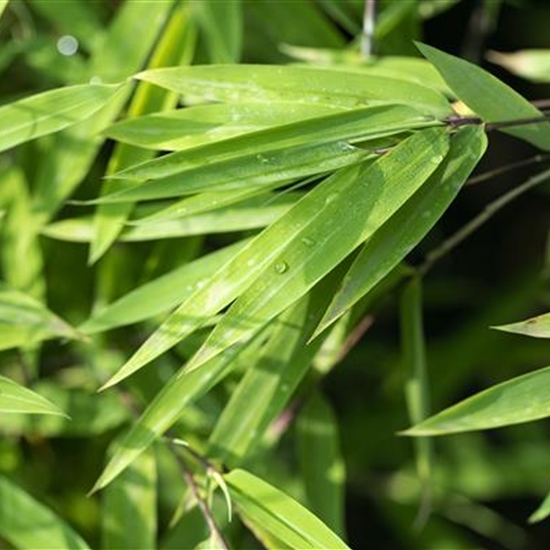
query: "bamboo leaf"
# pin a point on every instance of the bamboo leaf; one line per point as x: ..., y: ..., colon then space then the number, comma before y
x: 321, y: 464
x: 537, y: 327
x: 18, y: 399
x: 28, y: 524
x: 292, y: 254
x: 51, y: 111
x: 3, y: 5
x: 202, y: 124
x: 246, y: 172
x: 268, y: 83
x: 488, y: 97
x: 542, y: 512
x: 355, y: 125
x: 158, y: 295
x: 403, y: 231
x: 278, y: 514
x: 515, y: 401
x: 129, y: 507
x: 533, y: 65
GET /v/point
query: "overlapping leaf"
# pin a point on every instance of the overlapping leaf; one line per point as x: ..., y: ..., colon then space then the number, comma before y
x: 291, y: 255
x: 18, y: 399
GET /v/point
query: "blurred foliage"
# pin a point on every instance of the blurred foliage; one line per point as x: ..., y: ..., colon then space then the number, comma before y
x: 102, y: 239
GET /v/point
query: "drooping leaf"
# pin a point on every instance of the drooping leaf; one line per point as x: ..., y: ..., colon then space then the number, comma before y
x: 403, y: 231
x: 489, y: 97
x: 537, y: 327
x: 355, y: 125
x: 518, y: 400
x: 286, y: 83
x: 292, y: 254
x: 28, y: 524
x: 321, y: 464
x: 279, y: 514
x: 15, y: 398
x: 542, y: 512
x: 51, y: 111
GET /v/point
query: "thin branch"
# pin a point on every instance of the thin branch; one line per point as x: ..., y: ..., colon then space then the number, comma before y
x: 215, y: 531
x: 487, y: 213
x: 507, y: 168
x: 367, y: 36
x: 516, y: 122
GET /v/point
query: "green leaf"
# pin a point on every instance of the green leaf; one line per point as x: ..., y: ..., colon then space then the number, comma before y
x: 159, y: 295
x: 355, y: 125
x: 302, y: 246
x: 222, y: 25
x: 266, y: 83
x: 18, y: 399
x: 51, y: 111
x: 488, y: 97
x: 404, y: 230
x: 246, y: 172
x: 3, y: 5
x: 518, y: 400
x: 278, y: 514
x: 323, y: 228
x: 321, y: 464
x: 533, y: 65
x: 202, y: 124
x: 542, y: 512
x: 537, y: 327
x: 26, y: 320
x: 182, y: 388
x: 132, y: 496
x: 28, y: 524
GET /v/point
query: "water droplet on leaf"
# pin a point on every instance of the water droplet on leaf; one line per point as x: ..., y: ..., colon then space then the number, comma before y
x: 281, y: 267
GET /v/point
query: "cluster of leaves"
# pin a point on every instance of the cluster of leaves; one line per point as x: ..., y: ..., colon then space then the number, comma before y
x: 251, y: 219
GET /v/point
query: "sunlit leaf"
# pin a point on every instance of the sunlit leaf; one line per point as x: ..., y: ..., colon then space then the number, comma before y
x: 518, y: 400
x: 279, y: 514
x: 355, y: 125
x: 310, y: 239
x: 28, y: 524
x: 489, y: 97
x: 18, y: 399
x: 286, y: 83
x: 51, y: 111
x: 537, y: 327
x: 403, y: 231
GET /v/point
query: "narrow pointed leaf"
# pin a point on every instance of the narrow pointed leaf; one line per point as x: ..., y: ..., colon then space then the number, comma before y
x: 18, y: 399
x: 278, y: 514
x: 342, y: 213
x: 286, y: 83
x: 537, y: 327
x: 159, y: 295
x: 310, y: 239
x: 201, y: 124
x: 51, y: 111
x: 515, y: 401
x: 530, y: 64
x: 542, y: 512
x: 355, y: 125
x: 246, y: 172
x: 403, y: 231
x: 489, y: 97
x: 28, y: 524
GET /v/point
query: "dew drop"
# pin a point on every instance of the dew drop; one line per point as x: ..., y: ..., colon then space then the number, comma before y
x: 67, y: 45
x: 307, y: 241
x: 281, y: 267
x: 262, y: 159
x: 436, y: 160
